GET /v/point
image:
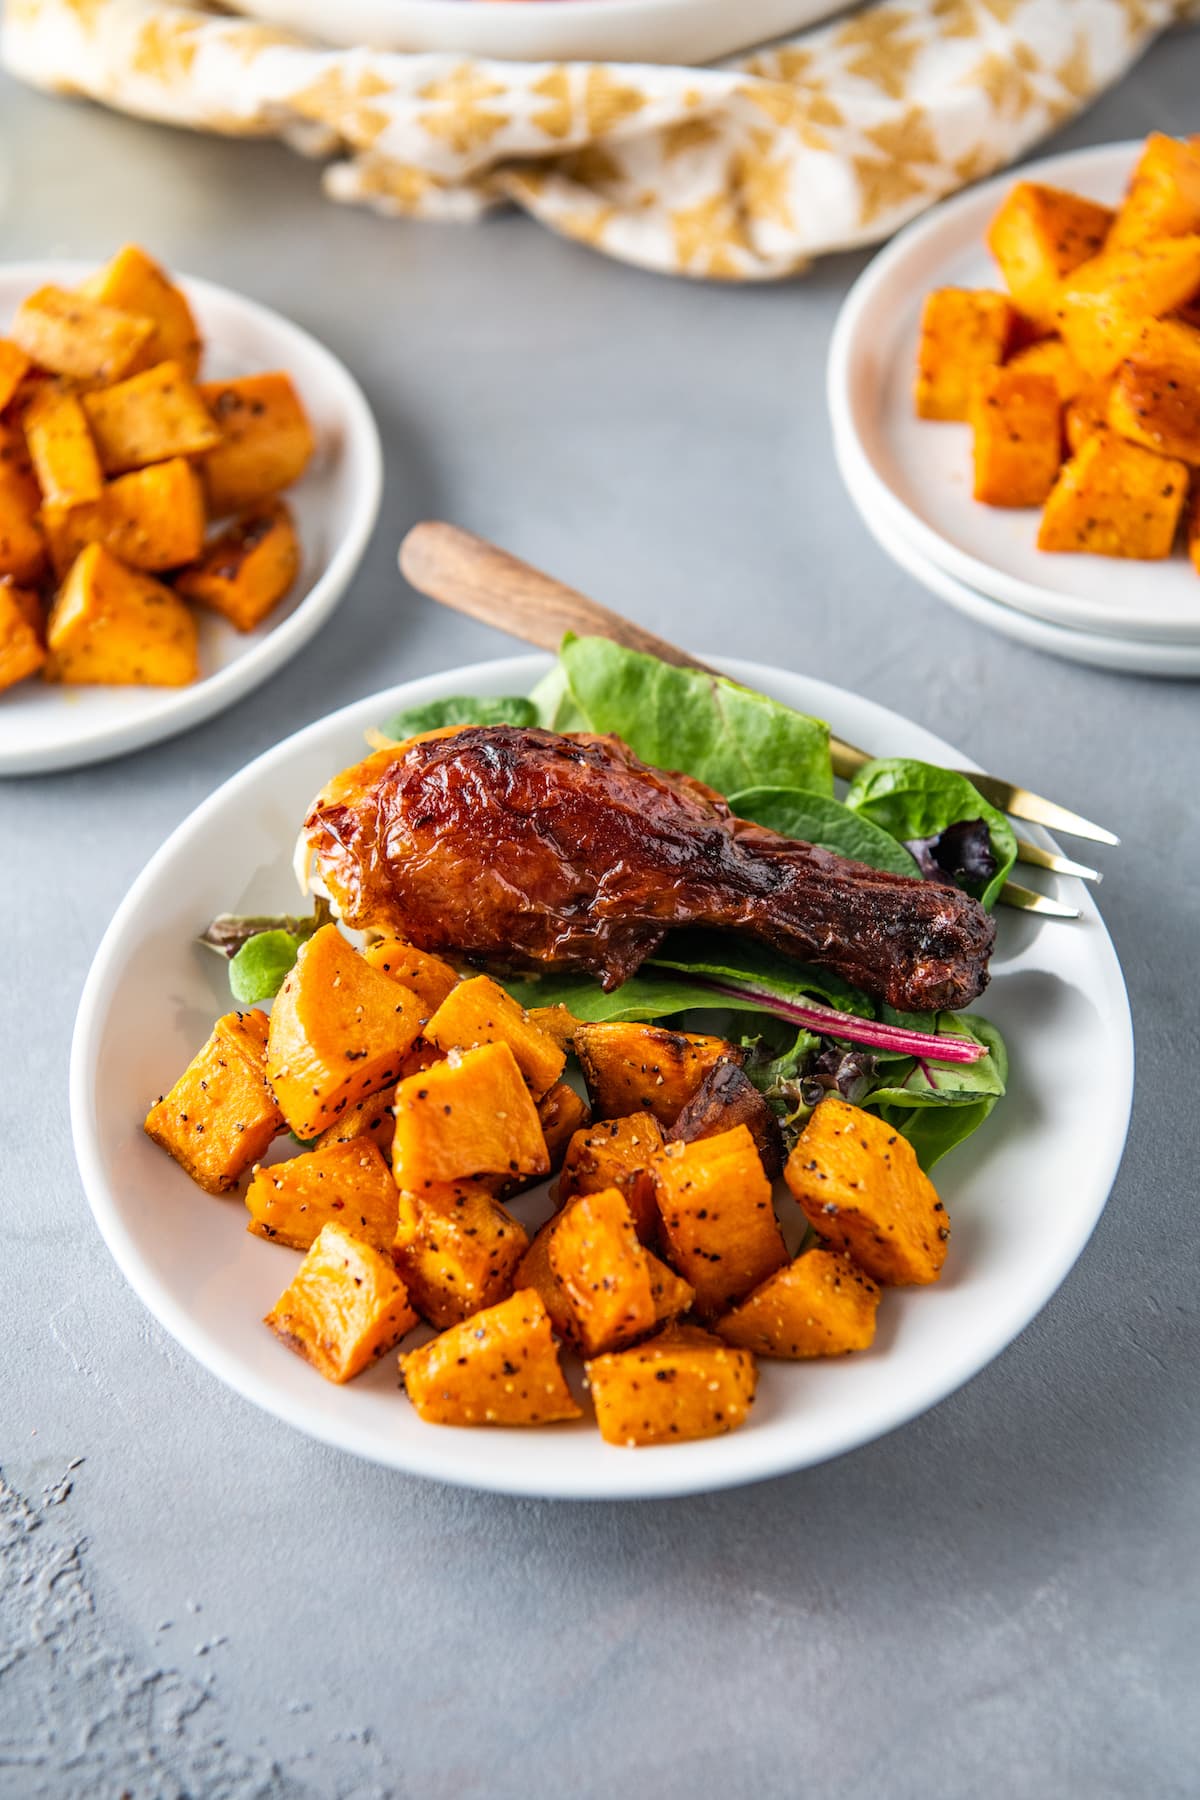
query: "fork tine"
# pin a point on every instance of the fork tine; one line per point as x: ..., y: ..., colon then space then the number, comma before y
x: 1026, y: 900
x: 1037, y: 858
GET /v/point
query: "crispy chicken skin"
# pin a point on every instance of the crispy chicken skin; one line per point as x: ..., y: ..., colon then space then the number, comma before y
x: 526, y: 848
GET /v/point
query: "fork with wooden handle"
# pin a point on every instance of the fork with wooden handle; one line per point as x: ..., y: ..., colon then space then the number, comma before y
x: 474, y: 577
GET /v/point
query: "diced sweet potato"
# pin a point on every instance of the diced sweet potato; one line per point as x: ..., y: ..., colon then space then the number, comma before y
x: 1157, y: 404
x: 1050, y: 356
x: 718, y: 1219
x: 1017, y: 424
x: 428, y: 976
x: 369, y: 1119
x: 644, y: 1068
x: 248, y: 569
x: 340, y: 1184
x: 561, y: 1113
x: 1086, y: 413
x: 22, y: 650
x: 1115, y: 499
x: 133, y: 282
x: 457, y: 1249
x: 669, y: 1293
x: 1103, y: 303
x: 480, y: 1012
x: 1163, y: 198
x: 600, y: 1266
x: 470, y: 1115
x: 862, y: 1189
x: 500, y: 1367
x: 616, y: 1153
x: 819, y: 1305
x: 220, y: 1116
x: 152, y: 519
x: 266, y: 441
x: 149, y: 418
x: 557, y: 1022
x: 338, y: 1032
x: 345, y: 1308
x: 682, y: 1384
x: 111, y: 626
x: 61, y: 448
x: 1193, y: 530
x: 725, y: 1098
x: 963, y: 330
x: 72, y: 335
x: 22, y: 545
x: 14, y: 366
x: 1039, y: 235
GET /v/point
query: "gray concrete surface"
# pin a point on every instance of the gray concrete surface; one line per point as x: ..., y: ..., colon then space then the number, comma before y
x: 1000, y: 1599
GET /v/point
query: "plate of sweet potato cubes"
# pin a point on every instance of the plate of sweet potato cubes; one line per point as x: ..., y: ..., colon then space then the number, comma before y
x: 1015, y: 390
x: 187, y: 483
x: 420, y: 1208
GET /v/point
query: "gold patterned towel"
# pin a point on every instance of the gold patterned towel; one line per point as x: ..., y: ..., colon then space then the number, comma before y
x: 744, y: 171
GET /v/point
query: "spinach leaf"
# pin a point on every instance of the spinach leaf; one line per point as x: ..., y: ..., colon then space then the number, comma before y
x: 912, y: 800
x: 817, y: 819
x: 913, y: 1082
x: 460, y: 709
x: 645, y: 997
x: 935, y: 1122
x: 739, y: 960
x: 259, y: 969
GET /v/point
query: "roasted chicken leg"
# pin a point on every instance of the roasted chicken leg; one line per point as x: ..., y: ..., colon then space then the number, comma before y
x: 527, y: 848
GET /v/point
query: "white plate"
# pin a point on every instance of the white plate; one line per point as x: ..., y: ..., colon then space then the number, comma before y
x: 1024, y: 1194
x: 916, y: 474
x: 44, y: 726
x: 653, y: 31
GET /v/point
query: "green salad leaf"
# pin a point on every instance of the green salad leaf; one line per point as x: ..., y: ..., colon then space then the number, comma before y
x: 260, y: 967
x: 818, y: 819
x: 916, y: 800
x: 726, y: 958
x: 461, y: 709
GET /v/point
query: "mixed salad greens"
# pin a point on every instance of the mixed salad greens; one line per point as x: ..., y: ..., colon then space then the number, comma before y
x: 805, y: 1031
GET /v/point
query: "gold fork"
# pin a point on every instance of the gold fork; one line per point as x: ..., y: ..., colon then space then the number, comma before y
x: 467, y: 573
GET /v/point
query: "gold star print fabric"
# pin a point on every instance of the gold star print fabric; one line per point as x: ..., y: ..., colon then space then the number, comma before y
x: 743, y: 171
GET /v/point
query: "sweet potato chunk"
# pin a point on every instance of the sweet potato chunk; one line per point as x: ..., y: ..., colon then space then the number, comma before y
x: 470, y: 1115
x: 112, y: 625
x: 670, y: 1295
x: 1086, y: 413
x: 1016, y: 419
x: 149, y: 418
x: 862, y: 1189
x: 479, y: 1011
x: 725, y: 1098
x: 557, y: 1022
x: 1039, y: 235
x: 248, y: 569
x: 338, y: 1031
x: 644, y: 1068
x: 616, y: 1153
x: 346, y: 1307
x: 963, y: 330
x: 369, y: 1119
x: 70, y: 334
x: 561, y: 1113
x: 1103, y: 303
x: 682, y: 1384
x: 266, y: 441
x: 1051, y: 357
x: 133, y: 283
x: 340, y: 1184
x: 500, y: 1367
x: 600, y: 1266
x: 1115, y: 499
x: 819, y: 1305
x: 428, y: 976
x: 22, y: 651
x: 1157, y: 404
x: 220, y: 1116
x: 61, y: 448
x: 718, y: 1219
x: 1163, y: 198
x: 152, y: 519
x: 457, y: 1249
x: 22, y: 545
x: 14, y: 366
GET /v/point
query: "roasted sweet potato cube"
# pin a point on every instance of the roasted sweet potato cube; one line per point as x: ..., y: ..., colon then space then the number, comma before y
x: 71, y: 334
x: 725, y: 1098
x: 61, y: 448
x: 682, y: 1384
x: 601, y: 1267
x: 534, y: 1271
x: 963, y: 330
x: 499, y: 1367
x: 149, y: 418
x: 369, y: 1119
x: 338, y: 1032
x: 22, y: 544
x: 112, y: 626
x: 133, y: 282
x: 1193, y: 530
x: 862, y: 1189
x: 22, y: 649
x: 480, y: 1012
x: 561, y: 1113
x: 1163, y: 197
x: 428, y: 976
x: 341, y: 1184
x: 718, y: 1219
x: 152, y: 519
x: 1157, y: 404
x: 248, y: 569
x: 1050, y: 356
x: 819, y: 1305
x: 645, y: 1068
x: 14, y: 366
x: 266, y: 441
x: 1016, y: 419
x: 557, y: 1022
x: 470, y: 1115
x: 1039, y: 235
x: 346, y: 1307
x: 671, y: 1294
x: 1115, y: 499
x: 616, y: 1153
x: 220, y: 1116
x: 457, y: 1249
x: 1102, y: 305
x: 1086, y: 413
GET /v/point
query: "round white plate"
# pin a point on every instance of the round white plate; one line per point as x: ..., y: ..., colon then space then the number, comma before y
x: 1023, y: 1194
x: 44, y: 726
x: 653, y: 31
x: 916, y: 474
x: 1098, y: 650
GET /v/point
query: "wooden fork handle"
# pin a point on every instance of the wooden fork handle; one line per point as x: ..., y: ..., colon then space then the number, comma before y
x: 486, y: 583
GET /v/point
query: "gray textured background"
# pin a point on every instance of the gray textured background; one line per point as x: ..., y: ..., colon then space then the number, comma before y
x: 1002, y: 1598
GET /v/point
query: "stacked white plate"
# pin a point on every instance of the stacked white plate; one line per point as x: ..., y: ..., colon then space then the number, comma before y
x: 911, y: 478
